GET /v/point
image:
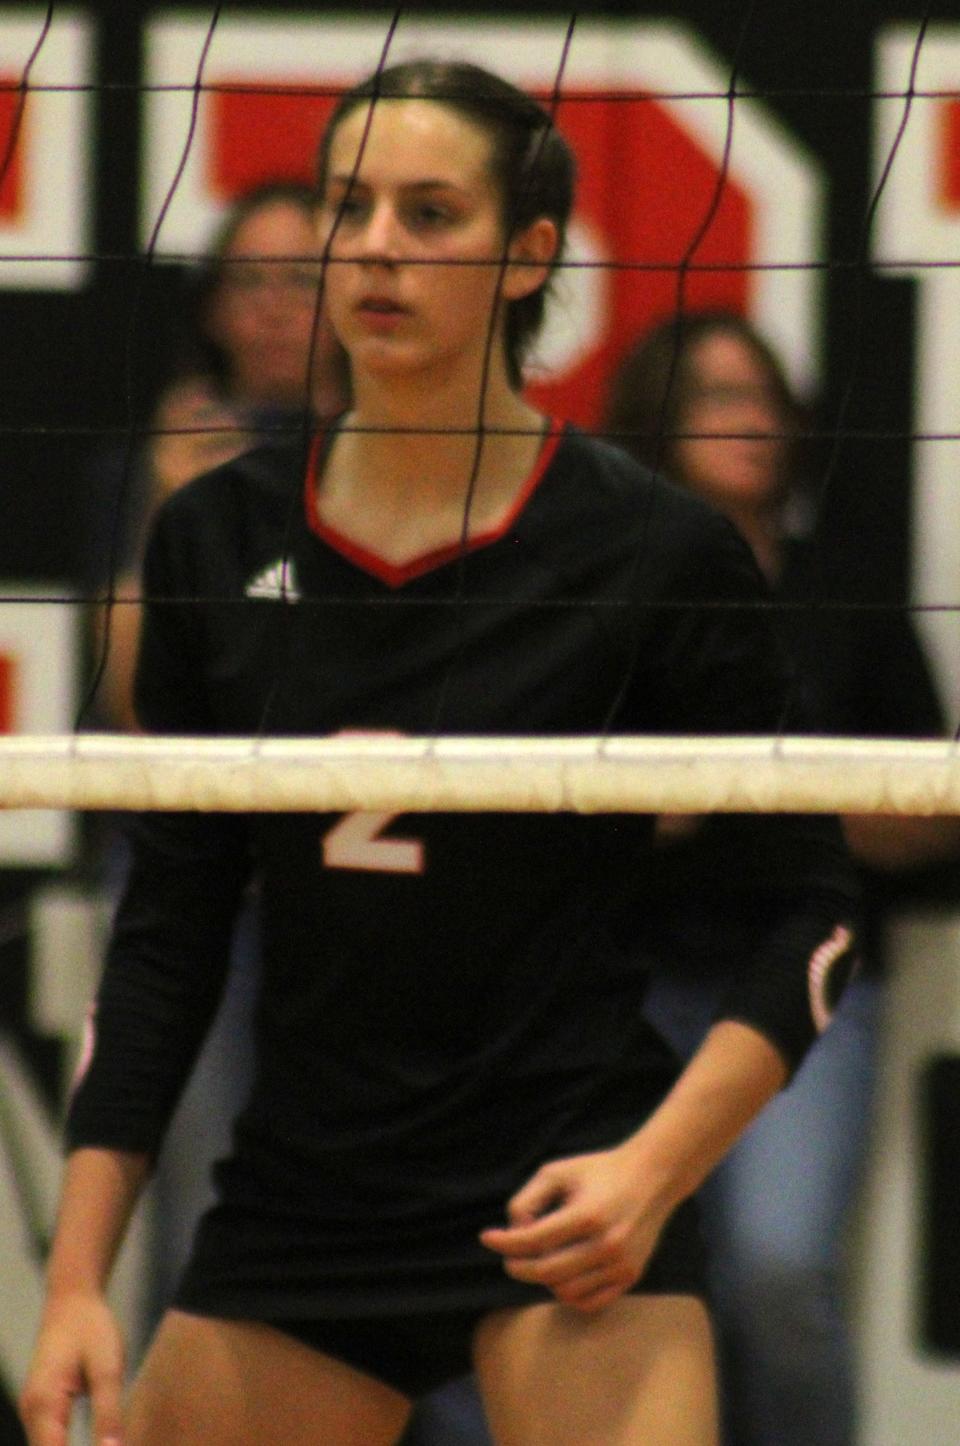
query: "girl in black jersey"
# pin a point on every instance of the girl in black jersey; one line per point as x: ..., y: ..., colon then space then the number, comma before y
x: 463, y: 1142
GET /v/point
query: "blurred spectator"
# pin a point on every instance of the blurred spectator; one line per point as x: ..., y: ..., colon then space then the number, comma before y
x: 705, y: 399
x: 255, y: 359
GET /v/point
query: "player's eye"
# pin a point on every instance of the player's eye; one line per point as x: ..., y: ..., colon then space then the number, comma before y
x: 302, y: 278
x: 346, y: 205
x: 242, y: 277
x: 429, y: 215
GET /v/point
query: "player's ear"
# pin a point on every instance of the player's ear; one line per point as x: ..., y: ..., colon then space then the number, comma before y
x: 530, y: 255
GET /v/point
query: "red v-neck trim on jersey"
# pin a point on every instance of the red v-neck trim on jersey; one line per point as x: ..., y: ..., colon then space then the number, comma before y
x: 391, y: 573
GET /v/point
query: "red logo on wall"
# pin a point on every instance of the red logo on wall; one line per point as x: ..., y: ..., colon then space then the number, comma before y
x: 8, y: 674
x: 45, y: 140
x: 646, y: 189
x: 950, y: 153
x: 11, y: 148
x: 259, y: 135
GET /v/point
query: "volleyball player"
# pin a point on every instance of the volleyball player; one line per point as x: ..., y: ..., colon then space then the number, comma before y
x: 463, y: 1141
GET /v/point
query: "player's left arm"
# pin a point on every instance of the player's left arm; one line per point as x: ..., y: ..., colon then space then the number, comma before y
x: 585, y: 1227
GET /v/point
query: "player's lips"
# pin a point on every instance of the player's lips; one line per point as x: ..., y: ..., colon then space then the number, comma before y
x: 381, y: 305
x: 381, y: 315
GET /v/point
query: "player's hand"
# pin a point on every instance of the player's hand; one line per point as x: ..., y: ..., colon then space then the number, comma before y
x: 584, y: 1227
x: 79, y: 1352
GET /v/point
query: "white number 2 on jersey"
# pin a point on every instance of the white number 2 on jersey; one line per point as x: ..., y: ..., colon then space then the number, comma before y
x: 355, y: 842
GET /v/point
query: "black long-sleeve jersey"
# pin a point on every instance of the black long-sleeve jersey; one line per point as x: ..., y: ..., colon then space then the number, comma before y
x: 861, y: 673
x: 443, y: 1004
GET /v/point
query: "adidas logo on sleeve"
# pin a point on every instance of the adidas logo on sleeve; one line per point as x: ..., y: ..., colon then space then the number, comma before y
x: 277, y: 581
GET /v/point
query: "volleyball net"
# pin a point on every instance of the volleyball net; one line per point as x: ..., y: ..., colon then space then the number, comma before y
x: 208, y: 75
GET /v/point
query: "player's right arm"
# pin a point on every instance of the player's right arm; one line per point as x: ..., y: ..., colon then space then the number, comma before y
x: 79, y: 1349
x: 166, y: 964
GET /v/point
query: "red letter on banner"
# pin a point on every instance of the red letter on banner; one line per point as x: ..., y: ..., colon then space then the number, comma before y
x: 8, y: 675
x: 10, y: 182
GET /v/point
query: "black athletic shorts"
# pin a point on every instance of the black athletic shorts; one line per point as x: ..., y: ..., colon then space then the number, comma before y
x: 418, y: 1350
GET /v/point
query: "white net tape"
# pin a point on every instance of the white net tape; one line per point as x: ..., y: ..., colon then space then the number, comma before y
x: 417, y: 775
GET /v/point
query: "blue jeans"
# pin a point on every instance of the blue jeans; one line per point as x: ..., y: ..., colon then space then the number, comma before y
x: 774, y: 1214
x: 452, y: 1416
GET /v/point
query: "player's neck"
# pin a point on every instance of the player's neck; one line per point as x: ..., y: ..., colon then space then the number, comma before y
x: 428, y: 440
x: 398, y: 480
x: 434, y: 399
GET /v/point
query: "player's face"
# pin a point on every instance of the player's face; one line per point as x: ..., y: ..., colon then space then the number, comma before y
x: 262, y: 313
x: 736, y: 457
x: 417, y: 241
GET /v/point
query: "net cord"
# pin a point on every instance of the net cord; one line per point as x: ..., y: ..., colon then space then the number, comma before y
x: 463, y: 774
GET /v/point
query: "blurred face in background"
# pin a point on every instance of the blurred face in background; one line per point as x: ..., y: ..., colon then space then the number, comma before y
x: 263, y: 308
x: 737, y: 455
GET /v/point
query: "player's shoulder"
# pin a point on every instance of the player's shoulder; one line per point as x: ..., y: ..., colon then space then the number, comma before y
x: 259, y: 477
x: 599, y: 484
x: 209, y: 527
